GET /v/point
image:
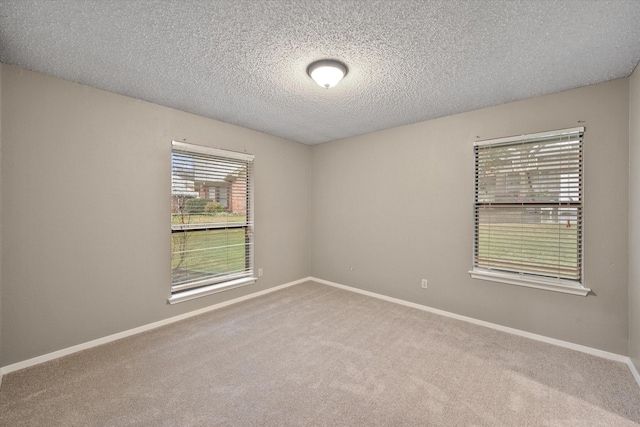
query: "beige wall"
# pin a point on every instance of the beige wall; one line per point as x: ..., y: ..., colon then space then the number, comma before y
x: 634, y: 218
x: 86, y: 179
x: 392, y: 207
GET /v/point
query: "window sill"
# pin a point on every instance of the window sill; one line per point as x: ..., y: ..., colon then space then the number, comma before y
x: 548, y: 284
x: 210, y: 289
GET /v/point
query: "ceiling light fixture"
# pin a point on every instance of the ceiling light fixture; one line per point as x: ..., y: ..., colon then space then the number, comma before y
x: 327, y: 72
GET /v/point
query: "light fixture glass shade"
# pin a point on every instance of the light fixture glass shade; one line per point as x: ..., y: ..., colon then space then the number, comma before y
x: 327, y: 73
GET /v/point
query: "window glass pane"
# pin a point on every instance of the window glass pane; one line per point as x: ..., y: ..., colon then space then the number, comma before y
x: 197, y: 255
x: 212, y: 231
x: 528, y: 205
x: 541, y: 240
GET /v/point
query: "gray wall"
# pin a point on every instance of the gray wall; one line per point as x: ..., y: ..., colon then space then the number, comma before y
x: 85, y: 246
x: 1, y: 181
x: 86, y: 179
x: 634, y: 218
x: 392, y: 207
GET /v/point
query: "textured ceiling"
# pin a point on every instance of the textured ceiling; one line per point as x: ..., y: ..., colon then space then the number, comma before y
x: 244, y: 61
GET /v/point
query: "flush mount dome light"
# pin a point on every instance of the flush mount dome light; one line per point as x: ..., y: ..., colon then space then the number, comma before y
x: 327, y: 72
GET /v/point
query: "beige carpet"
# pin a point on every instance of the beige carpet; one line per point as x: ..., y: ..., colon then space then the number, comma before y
x: 316, y: 355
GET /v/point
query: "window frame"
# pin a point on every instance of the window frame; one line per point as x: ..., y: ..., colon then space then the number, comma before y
x: 519, y: 278
x: 199, y: 288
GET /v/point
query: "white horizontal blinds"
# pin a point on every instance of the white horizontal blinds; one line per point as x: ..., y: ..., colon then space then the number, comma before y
x: 211, y: 218
x: 528, y: 204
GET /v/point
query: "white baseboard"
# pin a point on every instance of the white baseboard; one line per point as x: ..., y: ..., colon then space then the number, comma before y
x: 542, y: 338
x: 634, y: 371
x: 84, y: 346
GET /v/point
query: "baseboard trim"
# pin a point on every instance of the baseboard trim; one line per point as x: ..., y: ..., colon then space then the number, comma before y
x: 94, y: 343
x: 634, y: 371
x: 542, y: 338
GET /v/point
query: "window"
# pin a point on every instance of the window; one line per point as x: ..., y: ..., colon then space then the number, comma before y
x: 211, y: 220
x: 528, y: 211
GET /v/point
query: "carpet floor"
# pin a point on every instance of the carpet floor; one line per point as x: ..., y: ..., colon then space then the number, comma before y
x: 314, y: 355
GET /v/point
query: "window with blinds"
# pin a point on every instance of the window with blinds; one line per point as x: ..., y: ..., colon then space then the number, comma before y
x: 211, y: 220
x: 528, y: 210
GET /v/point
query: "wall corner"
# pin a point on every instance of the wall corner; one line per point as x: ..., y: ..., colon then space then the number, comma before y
x: 634, y: 217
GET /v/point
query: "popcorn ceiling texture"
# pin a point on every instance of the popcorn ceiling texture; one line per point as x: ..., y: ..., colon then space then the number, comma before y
x: 244, y: 61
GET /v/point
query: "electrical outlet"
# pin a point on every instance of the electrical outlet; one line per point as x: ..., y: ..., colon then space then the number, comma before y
x: 259, y: 272
x: 424, y: 283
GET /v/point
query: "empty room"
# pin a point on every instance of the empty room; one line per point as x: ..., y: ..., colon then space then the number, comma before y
x: 329, y: 212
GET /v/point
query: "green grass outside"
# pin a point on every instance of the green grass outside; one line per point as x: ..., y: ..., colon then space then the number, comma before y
x: 549, y: 244
x: 198, y: 253
x: 206, y: 219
